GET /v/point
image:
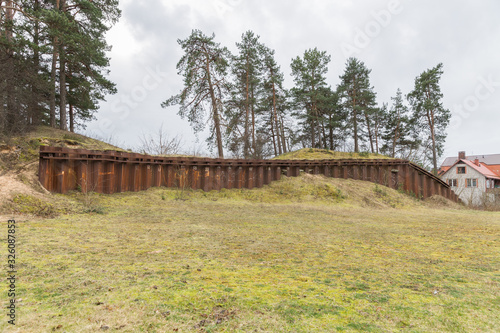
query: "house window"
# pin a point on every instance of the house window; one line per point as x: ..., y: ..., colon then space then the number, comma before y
x: 461, y: 170
x: 452, y: 182
x: 471, y: 182
x: 488, y: 183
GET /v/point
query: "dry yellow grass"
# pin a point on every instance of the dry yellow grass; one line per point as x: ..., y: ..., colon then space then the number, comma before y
x: 298, y: 256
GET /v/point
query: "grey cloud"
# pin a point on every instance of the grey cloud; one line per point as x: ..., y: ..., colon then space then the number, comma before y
x: 463, y: 35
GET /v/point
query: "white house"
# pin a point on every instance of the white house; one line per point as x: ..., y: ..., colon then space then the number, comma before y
x: 473, y: 181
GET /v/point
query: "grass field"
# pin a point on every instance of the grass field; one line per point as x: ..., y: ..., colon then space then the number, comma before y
x: 315, y: 259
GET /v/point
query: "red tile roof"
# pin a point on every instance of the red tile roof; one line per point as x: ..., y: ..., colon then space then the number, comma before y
x: 481, y: 168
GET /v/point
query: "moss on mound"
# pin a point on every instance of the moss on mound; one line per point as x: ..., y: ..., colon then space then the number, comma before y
x: 324, y: 154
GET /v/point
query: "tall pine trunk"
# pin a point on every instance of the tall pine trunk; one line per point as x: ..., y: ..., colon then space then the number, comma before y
x: 10, y: 72
x: 283, y: 137
x: 252, y: 112
x: 433, y: 138
x: 53, y: 71
x: 355, y: 126
x: 215, y: 110
x: 273, y: 134
x: 35, y: 110
x: 71, y: 119
x: 53, y: 84
x: 246, y: 143
x: 330, y: 128
x: 63, y: 123
x: 275, y: 116
x: 370, y: 134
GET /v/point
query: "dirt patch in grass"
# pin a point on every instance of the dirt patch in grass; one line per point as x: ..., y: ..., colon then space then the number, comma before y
x: 438, y: 201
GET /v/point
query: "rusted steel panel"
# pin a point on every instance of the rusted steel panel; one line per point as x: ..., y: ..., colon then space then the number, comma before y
x: 417, y: 189
x: 326, y: 171
x: 364, y: 172
x: 70, y: 177
x: 388, y: 176
x: 96, y: 182
x: 109, y: 178
x: 267, y: 175
x: 180, y: 177
x: 377, y: 174
x: 434, y: 190
x: 169, y: 176
x: 355, y: 172
x: 250, y: 177
x: 224, y: 180
x: 423, y: 181
x: 277, y: 173
x: 62, y: 172
x: 393, y: 177
x: 143, y: 177
x: 439, y: 189
x: 429, y: 187
x: 259, y: 175
x: 84, y: 176
x: 406, y: 178
x: 371, y: 174
x: 137, y: 177
x: 156, y: 175
x: 240, y: 176
x: 117, y: 179
x: 231, y: 177
x: 218, y: 178
x: 207, y: 179
x: 109, y: 173
x: 345, y: 172
x: 194, y: 178
x: 147, y: 177
x: 45, y: 173
x: 381, y: 175
x: 336, y: 171
x: 125, y: 183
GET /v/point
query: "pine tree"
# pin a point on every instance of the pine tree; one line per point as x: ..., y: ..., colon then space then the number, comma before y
x: 79, y: 31
x: 398, y: 130
x: 331, y: 119
x: 358, y: 100
x: 273, y: 103
x: 68, y: 32
x: 309, y: 77
x: 246, y: 68
x: 204, y: 67
x: 428, y: 112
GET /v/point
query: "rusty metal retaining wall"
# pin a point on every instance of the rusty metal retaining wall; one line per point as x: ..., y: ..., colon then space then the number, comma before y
x: 63, y: 169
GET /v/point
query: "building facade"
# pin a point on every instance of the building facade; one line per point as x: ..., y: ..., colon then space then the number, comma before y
x: 474, y: 182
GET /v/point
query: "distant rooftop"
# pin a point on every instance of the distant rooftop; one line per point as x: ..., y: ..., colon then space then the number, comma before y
x: 491, y: 159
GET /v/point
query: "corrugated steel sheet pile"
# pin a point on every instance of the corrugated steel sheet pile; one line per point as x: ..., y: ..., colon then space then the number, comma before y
x: 64, y: 169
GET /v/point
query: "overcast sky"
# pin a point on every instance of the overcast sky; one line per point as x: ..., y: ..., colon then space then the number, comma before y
x: 397, y: 39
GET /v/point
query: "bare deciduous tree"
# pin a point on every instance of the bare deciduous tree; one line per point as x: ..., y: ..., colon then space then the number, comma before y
x: 160, y: 143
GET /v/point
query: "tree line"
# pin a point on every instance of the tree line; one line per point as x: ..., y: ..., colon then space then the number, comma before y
x: 53, y: 61
x: 242, y: 98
